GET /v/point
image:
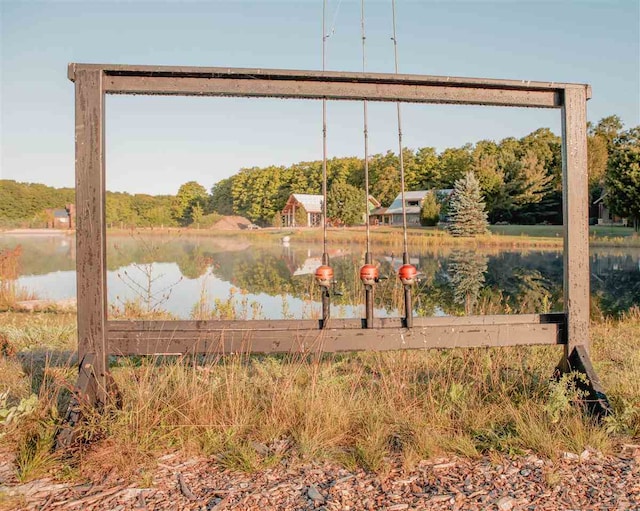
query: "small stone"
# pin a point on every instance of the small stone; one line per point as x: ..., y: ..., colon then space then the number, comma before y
x: 315, y: 495
x: 260, y: 448
x: 398, y: 507
x: 213, y: 503
x: 505, y: 504
x: 585, y: 455
x: 525, y: 472
x: 570, y: 456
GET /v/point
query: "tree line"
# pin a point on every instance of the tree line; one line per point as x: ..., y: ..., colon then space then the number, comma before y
x: 520, y: 179
x: 520, y: 182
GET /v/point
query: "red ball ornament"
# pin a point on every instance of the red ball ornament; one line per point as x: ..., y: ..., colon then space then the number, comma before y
x: 369, y: 274
x: 324, y: 275
x: 407, y: 274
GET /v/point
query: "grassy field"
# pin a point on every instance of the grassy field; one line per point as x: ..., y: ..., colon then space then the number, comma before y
x: 250, y: 412
x: 533, y: 236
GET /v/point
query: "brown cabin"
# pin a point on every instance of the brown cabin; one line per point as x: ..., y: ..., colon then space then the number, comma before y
x: 61, y: 218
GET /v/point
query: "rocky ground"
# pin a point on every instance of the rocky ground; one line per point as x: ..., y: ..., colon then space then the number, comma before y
x: 588, y: 481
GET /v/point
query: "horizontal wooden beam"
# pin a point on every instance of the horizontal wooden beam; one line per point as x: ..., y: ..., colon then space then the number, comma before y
x: 332, y: 91
x: 290, y: 336
x: 201, y: 81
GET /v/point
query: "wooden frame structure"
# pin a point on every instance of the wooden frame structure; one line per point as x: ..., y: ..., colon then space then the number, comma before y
x: 98, y: 337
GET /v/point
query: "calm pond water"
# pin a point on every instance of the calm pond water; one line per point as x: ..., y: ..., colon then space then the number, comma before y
x: 220, y: 277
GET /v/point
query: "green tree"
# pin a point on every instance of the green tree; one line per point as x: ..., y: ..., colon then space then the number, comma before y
x: 428, y: 168
x: 345, y: 203
x: 454, y: 163
x: 623, y: 177
x: 301, y: 216
x: 610, y: 128
x: 257, y: 193
x: 189, y: 194
x: 197, y: 213
x: 467, y: 208
x: 430, y: 211
x: 387, y: 186
x: 221, y: 199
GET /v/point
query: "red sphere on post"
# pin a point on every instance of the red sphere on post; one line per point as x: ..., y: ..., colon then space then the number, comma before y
x: 324, y: 275
x: 369, y: 274
x: 407, y: 274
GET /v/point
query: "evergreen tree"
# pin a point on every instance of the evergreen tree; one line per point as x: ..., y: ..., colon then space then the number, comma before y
x: 467, y: 270
x: 467, y: 208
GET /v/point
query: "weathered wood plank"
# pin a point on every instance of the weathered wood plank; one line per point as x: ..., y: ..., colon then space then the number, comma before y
x: 335, y: 323
x: 575, y: 196
x: 339, y: 90
x: 90, y: 223
x: 442, y: 333
x: 318, y: 76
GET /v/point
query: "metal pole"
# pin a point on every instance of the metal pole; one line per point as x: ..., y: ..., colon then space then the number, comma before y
x: 368, y: 288
x: 326, y: 305
x: 408, y: 307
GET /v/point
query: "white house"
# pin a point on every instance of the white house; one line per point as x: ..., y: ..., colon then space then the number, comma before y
x: 413, y: 204
x: 312, y: 206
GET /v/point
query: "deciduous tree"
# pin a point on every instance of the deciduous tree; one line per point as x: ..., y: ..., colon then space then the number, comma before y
x: 623, y: 177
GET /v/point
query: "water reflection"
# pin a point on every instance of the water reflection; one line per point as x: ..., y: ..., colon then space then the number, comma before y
x: 207, y: 277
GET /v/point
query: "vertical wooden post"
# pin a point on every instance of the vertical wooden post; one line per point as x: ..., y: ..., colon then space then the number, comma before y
x: 575, y: 197
x: 91, y: 225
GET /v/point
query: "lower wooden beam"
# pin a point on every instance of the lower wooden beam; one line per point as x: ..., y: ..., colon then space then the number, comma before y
x: 340, y: 335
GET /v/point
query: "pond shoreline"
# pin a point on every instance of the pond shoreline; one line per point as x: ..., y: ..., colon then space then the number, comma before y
x: 507, y: 236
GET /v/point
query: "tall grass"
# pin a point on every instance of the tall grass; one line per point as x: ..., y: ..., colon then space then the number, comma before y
x: 364, y: 410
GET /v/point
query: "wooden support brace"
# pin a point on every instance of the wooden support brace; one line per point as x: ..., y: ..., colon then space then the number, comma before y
x: 84, y: 394
x: 595, y: 398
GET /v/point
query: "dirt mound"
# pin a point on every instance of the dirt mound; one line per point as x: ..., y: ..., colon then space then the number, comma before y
x: 232, y: 223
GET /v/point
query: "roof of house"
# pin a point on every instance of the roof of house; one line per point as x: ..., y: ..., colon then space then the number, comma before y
x: 312, y: 203
x: 396, y: 205
x: 374, y: 202
x: 601, y: 198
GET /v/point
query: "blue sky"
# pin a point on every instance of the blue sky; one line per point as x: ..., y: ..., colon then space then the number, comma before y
x: 156, y: 143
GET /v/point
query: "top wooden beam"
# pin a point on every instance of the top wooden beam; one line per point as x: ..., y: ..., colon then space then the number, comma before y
x: 335, y: 85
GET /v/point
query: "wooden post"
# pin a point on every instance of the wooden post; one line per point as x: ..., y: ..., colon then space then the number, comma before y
x: 91, y: 226
x: 575, y: 197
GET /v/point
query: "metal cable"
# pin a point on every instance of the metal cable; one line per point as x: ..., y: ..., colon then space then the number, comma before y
x: 404, y: 207
x: 366, y: 141
x: 324, y: 140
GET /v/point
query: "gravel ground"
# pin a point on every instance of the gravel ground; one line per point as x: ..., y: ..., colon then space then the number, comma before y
x: 588, y: 481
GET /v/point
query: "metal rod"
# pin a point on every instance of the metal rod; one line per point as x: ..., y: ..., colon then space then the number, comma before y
x: 324, y: 137
x: 408, y: 304
x: 326, y: 300
x: 366, y: 135
x: 368, y: 289
x: 402, y: 184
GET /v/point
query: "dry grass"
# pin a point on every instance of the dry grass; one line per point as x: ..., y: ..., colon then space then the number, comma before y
x: 249, y: 412
x: 10, y: 292
x: 522, y: 236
